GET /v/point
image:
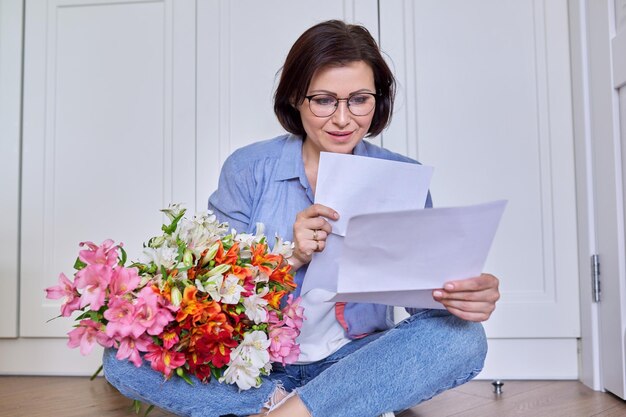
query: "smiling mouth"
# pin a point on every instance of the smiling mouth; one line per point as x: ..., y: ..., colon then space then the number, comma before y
x: 340, y: 134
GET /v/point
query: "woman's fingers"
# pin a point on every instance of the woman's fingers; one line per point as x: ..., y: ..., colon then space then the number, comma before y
x: 310, y: 231
x: 317, y: 210
x: 471, y: 299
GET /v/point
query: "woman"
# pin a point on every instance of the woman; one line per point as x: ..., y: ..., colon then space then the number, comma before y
x: 335, y: 89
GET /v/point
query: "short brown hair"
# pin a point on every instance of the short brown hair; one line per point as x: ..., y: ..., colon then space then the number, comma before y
x: 331, y: 43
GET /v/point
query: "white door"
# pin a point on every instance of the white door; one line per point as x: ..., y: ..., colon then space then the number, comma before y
x: 129, y: 105
x: 606, y: 37
x: 485, y: 98
x: 108, y: 130
x: 10, y: 107
x: 241, y: 48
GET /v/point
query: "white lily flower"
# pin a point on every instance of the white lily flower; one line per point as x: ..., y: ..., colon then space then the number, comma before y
x: 255, y: 307
x: 231, y: 290
x: 242, y: 373
x: 284, y: 248
x: 213, y: 285
x: 247, y: 239
x: 162, y: 256
x: 173, y: 210
x: 254, y: 347
x: 258, y: 275
x: 195, y: 235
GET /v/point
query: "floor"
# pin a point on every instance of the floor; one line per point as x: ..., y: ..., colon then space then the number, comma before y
x: 78, y: 397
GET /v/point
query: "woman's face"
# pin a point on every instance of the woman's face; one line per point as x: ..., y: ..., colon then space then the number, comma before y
x: 341, y: 131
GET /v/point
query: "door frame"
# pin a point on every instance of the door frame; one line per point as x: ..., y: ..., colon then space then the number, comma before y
x: 585, y: 24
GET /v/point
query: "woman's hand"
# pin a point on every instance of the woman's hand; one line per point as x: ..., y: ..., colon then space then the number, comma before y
x: 472, y: 299
x: 310, y: 232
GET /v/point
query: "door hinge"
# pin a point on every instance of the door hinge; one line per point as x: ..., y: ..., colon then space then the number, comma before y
x: 595, y: 278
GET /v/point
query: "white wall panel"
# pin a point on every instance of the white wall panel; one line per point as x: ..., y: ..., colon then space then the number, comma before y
x: 485, y: 99
x: 241, y: 47
x: 104, y: 149
x: 10, y: 117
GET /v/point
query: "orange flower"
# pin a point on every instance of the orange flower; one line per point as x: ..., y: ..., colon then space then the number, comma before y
x: 200, y: 309
x: 240, y: 272
x: 229, y: 257
x: 273, y: 298
x: 283, y: 277
x: 263, y: 260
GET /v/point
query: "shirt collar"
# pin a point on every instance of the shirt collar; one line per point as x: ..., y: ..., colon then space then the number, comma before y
x: 290, y: 164
x: 361, y: 148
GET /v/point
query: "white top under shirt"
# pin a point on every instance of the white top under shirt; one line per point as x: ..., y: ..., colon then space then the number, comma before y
x: 321, y: 334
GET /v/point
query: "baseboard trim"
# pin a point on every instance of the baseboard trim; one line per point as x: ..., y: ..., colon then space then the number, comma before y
x: 531, y: 359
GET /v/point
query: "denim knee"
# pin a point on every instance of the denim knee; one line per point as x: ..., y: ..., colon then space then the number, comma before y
x: 459, y: 346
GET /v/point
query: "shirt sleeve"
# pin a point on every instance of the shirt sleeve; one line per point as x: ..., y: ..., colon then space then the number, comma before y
x: 232, y: 201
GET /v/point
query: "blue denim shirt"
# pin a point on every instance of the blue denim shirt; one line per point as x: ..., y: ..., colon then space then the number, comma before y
x: 266, y: 182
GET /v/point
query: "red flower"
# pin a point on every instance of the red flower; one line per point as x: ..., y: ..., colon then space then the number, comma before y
x: 163, y: 360
x: 218, y: 346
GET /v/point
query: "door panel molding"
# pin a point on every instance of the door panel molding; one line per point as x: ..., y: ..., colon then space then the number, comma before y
x: 106, y: 141
x: 492, y: 114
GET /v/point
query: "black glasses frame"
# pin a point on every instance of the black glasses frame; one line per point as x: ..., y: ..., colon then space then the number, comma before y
x: 346, y: 99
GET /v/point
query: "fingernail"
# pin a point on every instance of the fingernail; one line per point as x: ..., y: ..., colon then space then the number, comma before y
x: 449, y: 287
x: 438, y: 294
x: 336, y: 215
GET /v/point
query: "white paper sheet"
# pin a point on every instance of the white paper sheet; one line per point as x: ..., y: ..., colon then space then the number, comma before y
x: 354, y: 185
x: 397, y: 258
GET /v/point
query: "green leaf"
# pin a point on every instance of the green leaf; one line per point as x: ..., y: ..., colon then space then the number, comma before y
x: 181, y: 373
x: 171, y: 228
x: 78, y: 265
x: 136, y: 406
x: 123, y: 257
x: 217, y: 373
x: 84, y: 315
x: 148, y: 410
x: 95, y: 374
x: 49, y: 320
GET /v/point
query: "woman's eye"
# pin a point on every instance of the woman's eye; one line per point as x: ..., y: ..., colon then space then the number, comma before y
x: 324, y: 101
x: 359, y: 99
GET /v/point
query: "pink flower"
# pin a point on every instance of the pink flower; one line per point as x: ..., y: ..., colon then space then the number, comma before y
x: 283, y: 347
x: 169, y: 338
x: 94, y: 279
x: 105, y: 254
x: 86, y: 334
x: 293, y: 313
x: 129, y: 349
x: 123, y: 280
x: 163, y: 360
x: 272, y: 319
x: 150, y: 314
x: 67, y: 289
x: 121, y: 316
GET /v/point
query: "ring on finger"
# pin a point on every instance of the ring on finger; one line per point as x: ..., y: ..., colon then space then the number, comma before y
x: 315, y: 235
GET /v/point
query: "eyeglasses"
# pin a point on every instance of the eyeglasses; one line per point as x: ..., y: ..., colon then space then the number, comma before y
x: 324, y: 105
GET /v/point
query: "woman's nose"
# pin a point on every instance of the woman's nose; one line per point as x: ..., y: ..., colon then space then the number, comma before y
x: 341, y: 117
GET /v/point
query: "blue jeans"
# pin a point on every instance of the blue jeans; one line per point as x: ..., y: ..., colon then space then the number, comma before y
x: 428, y: 353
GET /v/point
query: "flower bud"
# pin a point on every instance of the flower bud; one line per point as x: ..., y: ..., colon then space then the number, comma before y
x: 218, y: 270
x: 175, y: 296
x: 210, y: 254
x: 157, y: 242
x: 188, y: 258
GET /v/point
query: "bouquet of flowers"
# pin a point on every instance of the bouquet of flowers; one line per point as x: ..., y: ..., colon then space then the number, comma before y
x: 203, y: 302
